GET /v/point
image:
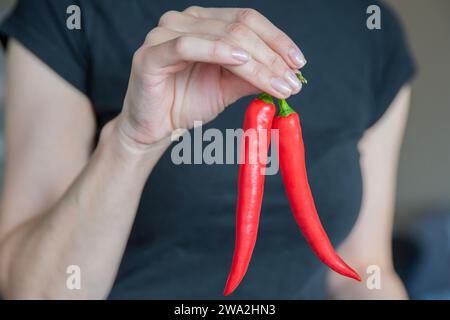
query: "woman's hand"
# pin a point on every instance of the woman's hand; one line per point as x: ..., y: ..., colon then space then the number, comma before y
x: 197, y: 62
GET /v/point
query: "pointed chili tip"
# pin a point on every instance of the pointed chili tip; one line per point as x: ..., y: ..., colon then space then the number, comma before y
x: 342, y: 268
x: 227, y: 292
x: 349, y: 272
x: 354, y: 275
x: 233, y: 281
x: 229, y: 289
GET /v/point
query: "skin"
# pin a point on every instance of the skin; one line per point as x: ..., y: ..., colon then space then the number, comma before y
x: 368, y: 245
x: 65, y: 203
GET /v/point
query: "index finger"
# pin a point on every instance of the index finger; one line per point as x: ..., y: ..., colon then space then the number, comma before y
x: 266, y: 30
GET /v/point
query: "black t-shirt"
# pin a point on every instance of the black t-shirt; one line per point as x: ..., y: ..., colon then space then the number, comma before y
x: 182, y: 241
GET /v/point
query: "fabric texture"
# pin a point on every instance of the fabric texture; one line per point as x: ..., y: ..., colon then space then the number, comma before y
x: 182, y: 240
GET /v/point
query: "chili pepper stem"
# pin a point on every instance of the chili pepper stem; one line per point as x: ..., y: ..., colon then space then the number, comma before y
x: 285, y: 109
x: 266, y: 98
x: 301, y: 77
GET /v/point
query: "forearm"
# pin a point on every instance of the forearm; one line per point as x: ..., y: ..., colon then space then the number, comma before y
x: 89, y: 227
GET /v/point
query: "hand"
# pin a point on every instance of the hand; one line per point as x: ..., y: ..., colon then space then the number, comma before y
x: 197, y: 62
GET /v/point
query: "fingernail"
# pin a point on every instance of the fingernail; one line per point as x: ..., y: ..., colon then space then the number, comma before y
x: 297, y: 57
x: 293, y: 80
x: 281, y: 86
x: 240, y: 55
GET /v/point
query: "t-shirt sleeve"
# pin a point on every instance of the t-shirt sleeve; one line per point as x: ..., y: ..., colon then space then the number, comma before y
x: 41, y: 26
x: 395, y: 65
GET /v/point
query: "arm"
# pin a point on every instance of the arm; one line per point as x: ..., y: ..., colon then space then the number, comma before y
x: 65, y: 205
x: 369, y: 243
x: 59, y: 207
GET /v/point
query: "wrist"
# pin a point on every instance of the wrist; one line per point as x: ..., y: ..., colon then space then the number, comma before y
x: 127, y: 148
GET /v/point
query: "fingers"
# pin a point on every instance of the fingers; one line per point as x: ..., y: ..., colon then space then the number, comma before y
x: 240, y: 35
x: 268, y: 32
x: 237, y: 34
x: 169, y: 56
x: 263, y: 78
x: 241, y: 40
x: 181, y: 49
x: 159, y: 35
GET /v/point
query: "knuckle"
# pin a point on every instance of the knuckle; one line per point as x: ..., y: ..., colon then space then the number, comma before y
x: 236, y: 30
x: 168, y: 17
x: 215, y: 49
x: 153, y: 35
x: 281, y: 39
x: 247, y: 15
x: 181, y: 45
x: 192, y: 10
x: 275, y: 62
x: 257, y: 72
x: 138, y: 56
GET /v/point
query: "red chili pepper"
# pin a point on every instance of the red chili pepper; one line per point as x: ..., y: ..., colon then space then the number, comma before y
x: 293, y: 171
x: 258, y: 116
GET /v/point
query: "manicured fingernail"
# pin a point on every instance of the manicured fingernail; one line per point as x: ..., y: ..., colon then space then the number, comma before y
x: 293, y: 80
x: 240, y: 55
x: 297, y: 57
x: 281, y: 86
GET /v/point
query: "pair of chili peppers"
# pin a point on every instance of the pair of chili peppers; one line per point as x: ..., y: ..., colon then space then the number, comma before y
x: 260, y: 116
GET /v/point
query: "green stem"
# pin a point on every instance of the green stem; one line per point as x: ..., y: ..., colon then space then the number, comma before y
x: 266, y: 98
x: 301, y: 77
x: 285, y: 109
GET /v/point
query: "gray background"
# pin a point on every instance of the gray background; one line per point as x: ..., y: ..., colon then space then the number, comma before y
x: 424, y: 172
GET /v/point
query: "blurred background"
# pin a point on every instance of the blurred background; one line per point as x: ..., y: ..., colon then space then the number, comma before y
x: 422, y: 237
